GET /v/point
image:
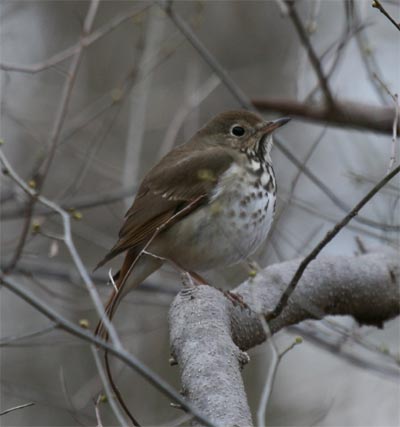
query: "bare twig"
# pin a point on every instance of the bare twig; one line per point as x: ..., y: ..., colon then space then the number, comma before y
x: 315, y: 62
x: 395, y: 99
x: 97, y: 412
x: 262, y: 407
x: 366, y: 51
x: 67, y: 238
x: 16, y: 408
x: 338, y: 285
x: 329, y: 236
x: 337, y: 49
x: 236, y: 92
x: 347, y: 113
x: 316, y: 212
x: 305, y: 161
x: 85, y: 41
x: 107, y: 389
x: 138, y: 100
x: 55, y: 132
x: 196, y: 98
x: 66, y: 95
x: 394, y: 136
x: 324, y: 341
x: 245, y: 102
x: 378, y: 5
x: 81, y: 202
x: 7, y: 341
x: 270, y: 378
x: 120, y: 353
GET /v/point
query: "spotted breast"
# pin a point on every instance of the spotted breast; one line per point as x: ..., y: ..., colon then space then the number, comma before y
x: 234, y: 223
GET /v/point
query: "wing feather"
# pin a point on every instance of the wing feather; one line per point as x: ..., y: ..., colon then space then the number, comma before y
x: 186, y: 175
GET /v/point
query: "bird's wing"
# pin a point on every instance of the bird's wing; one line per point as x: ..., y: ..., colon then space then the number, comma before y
x: 180, y: 183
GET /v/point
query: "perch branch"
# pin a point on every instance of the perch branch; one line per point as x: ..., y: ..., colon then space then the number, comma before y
x: 209, y: 335
x: 328, y: 237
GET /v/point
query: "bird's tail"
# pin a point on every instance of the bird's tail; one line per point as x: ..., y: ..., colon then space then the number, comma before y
x: 128, y: 278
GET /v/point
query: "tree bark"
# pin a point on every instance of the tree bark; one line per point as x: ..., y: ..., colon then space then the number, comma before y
x: 209, y: 334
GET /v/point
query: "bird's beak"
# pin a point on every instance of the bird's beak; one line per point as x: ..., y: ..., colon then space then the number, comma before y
x: 274, y: 124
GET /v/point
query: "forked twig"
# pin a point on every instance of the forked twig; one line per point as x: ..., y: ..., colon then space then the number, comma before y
x: 266, y: 393
x: 67, y: 239
x: 246, y: 103
x: 315, y: 62
x: 55, y: 132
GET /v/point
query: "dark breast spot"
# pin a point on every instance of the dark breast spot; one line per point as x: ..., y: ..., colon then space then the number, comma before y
x: 244, y: 201
x: 270, y: 187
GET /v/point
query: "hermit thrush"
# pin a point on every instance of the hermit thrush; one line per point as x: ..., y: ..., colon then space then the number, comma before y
x: 206, y: 204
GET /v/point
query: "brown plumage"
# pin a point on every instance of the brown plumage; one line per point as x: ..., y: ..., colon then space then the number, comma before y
x: 180, y: 203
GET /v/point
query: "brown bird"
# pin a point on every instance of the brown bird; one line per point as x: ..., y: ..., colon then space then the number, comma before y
x: 206, y: 204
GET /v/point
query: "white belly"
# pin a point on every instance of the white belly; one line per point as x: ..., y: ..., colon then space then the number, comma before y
x: 227, y: 230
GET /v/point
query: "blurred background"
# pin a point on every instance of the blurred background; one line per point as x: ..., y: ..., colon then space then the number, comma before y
x: 139, y: 89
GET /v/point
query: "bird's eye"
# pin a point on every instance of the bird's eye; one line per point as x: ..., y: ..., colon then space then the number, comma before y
x: 237, y: 131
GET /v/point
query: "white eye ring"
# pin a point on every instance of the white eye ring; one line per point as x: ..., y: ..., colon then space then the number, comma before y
x: 237, y: 130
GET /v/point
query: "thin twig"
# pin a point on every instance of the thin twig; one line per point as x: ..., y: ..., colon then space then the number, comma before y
x: 152, y: 40
x: 245, y: 102
x: 394, y: 136
x: 378, y: 5
x: 315, y: 62
x: 270, y: 378
x: 97, y: 412
x: 107, y: 390
x: 266, y: 393
x: 196, y: 98
x: 328, y: 237
x: 85, y: 41
x: 366, y: 51
x: 67, y: 238
x: 55, y: 132
x: 73, y: 411
x: 120, y: 353
x: 236, y: 92
x: 305, y: 161
x: 7, y: 341
x: 395, y: 99
x: 16, y: 408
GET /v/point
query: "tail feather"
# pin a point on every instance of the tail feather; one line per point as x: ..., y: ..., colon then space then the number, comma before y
x: 127, y: 280
x: 109, y: 256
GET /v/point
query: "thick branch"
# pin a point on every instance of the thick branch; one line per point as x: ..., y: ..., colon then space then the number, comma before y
x: 345, y: 114
x: 209, y: 334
